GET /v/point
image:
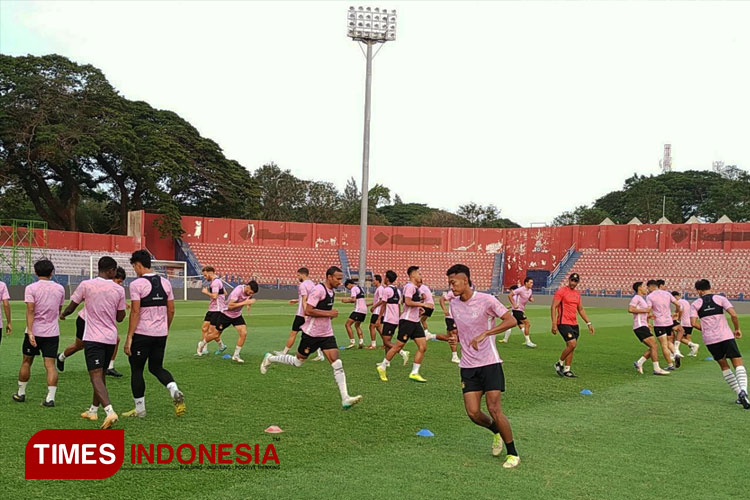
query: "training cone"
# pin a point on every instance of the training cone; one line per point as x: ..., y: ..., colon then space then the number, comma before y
x: 274, y: 429
x: 709, y: 358
x: 226, y: 356
x: 425, y: 433
x: 586, y: 392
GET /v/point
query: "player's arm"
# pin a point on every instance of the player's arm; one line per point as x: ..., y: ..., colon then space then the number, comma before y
x: 585, y: 317
x: 170, y: 312
x: 510, y: 299
x: 6, y: 308
x: 677, y: 308
x: 135, y: 315
x: 294, y: 301
x: 376, y: 305
x: 236, y: 305
x: 30, y: 322
x: 319, y: 313
x: 735, y: 322
x: 70, y: 309
x: 411, y: 303
x: 120, y: 315
x: 508, y: 322
x: 207, y: 291
x: 635, y: 310
x: 348, y: 300
x: 555, y: 305
x: 442, y: 305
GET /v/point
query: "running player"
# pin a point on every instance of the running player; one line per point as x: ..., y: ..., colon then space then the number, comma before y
x: 519, y: 296
x: 242, y: 296
x: 659, y: 301
x: 566, y: 306
x: 409, y: 327
x: 77, y: 344
x: 317, y: 333
x: 44, y: 300
x: 377, y: 282
x: 303, y: 290
x: 481, y: 366
x: 640, y: 311
x: 358, y: 315
x: 389, y: 307
x: 215, y: 292
x: 707, y: 315
x: 151, y: 314
x: 104, y: 303
x: 428, y: 309
x: 450, y: 324
x: 5, y: 299
x: 685, y: 332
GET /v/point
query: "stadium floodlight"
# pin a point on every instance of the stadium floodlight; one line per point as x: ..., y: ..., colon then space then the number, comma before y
x: 369, y: 26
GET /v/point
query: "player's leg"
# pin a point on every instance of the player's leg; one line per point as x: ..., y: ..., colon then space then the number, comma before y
x: 674, y: 346
x: 382, y: 367
x: 418, y: 358
x: 348, y: 326
x: 24, y: 373
x: 307, y: 345
x: 49, y: 366
x: 653, y: 354
x: 562, y: 366
x: 73, y: 348
x: 332, y: 355
x: 372, y: 327
x: 358, y: 327
x: 526, y: 328
x: 137, y: 360
x: 242, y: 336
x: 211, y: 334
x: 156, y: 368
x: 688, y: 339
x: 502, y: 425
x: 664, y: 343
x: 741, y: 375
x: 111, y: 372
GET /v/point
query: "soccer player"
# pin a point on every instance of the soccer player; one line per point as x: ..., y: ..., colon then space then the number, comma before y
x: 481, y: 366
x: 519, y: 296
x: 104, y: 303
x: 44, y: 300
x: 566, y: 306
x: 358, y: 315
x: 377, y: 282
x: 5, y: 299
x: 640, y: 311
x: 428, y: 309
x: 389, y: 307
x: 77, y: 344
x: 685, y: 332
x: 151, y: 314
x: 215, y: 292
x: 303, y: 290
x: 659, y: 301
x: 450, y: 323
x: 409, y: 327
x: 707, y: 315
x: 242, y: 296
x: 317, y: 333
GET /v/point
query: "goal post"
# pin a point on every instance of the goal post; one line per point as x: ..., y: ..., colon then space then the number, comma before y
x: 175, y: 271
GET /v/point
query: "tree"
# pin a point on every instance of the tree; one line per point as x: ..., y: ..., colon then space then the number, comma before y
x: 483, y: 216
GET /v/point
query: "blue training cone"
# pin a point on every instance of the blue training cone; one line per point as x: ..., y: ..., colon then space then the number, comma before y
x: 586, y: 392
x: 709, y: 358
x: 425, y: 433
x: 226, y: 356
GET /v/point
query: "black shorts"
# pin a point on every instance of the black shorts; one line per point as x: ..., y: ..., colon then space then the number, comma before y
x: 210, y: 315
x: 297, y: 324
x: 427, y: 312
x: 642, y: 332
x: 450, y: 324
x: 662, y: 330
x: 724, y: 349
x: 519, y: 315
x: 80, y: 327
x: 308, y: 344
x: 675, y: 324
x: 222, y: 321
x: 483, y: 379
x: 374, y: 318
x: 147, y: 347
x: 688, y: 330
x: 357, y: 317
x: 568, y: 332
x: 388, y: 329
x: 46, y: 346
x: 97, y: 354
x: 409, y: 330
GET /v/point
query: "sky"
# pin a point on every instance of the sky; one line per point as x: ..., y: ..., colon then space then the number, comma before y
x: 536, y: 107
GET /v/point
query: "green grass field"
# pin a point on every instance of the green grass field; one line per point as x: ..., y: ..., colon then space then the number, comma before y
x: 636, y: 437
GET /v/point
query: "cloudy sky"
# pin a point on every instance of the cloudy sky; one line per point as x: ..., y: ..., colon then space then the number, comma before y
x: 536, y: 107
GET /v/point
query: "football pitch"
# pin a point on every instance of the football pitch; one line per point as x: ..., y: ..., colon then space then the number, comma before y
x: 635, y: 437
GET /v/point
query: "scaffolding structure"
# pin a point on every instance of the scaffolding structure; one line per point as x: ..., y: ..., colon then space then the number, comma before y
x: 18, y: 240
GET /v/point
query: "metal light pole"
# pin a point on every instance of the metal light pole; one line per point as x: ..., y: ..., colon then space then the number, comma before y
x: 368, y: 26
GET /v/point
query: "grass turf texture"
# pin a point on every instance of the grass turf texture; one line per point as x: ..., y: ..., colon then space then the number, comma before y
x: 637, y: 436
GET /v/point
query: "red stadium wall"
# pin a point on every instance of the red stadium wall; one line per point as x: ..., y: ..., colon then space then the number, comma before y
x: 72, y: 240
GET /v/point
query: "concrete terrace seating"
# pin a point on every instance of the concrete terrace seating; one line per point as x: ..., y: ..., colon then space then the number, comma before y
x: 617, y: 269
x: 73, y: 262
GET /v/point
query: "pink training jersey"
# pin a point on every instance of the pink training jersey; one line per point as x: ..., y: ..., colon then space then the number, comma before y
x: 684, y: 313
x: 472, y: 318
x: 359, y: 306
x: 237, y: 295
x: 521, y: 296
x: 217, y: 304
x: 101, y: 300
x: 319, y: 326
x: 4, y: 295
x: 639, y: 319
x: 715, y: 327
x: 152, y: 321
x: 448, y: 297
x: 377, y: 296
x: 303, y: 290
x: 391, y: 310
x: 410, y: 313
x: 660, y: 301
x: 428, y: 298
x: 48, y: 297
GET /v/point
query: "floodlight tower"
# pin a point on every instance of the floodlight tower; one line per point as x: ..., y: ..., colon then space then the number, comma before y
x: 368, y: 26
x: 666, y: 162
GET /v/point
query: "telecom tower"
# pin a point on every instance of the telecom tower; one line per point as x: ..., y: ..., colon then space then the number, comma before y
x: 666, y: 162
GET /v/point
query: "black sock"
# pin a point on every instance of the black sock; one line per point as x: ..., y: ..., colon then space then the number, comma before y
x: 511, y: 449
x: 494, y: 428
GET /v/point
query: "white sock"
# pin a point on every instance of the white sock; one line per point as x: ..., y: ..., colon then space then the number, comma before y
x: 22, y: 388
x: 567, y: 368
x: 741, y: 374
x: 731, y: 380
x: 641, y: 360
x: 340, y: 376
x: 656, y: 366
x: 51, y: 391
x: 692, y: 345
x: 286, y: 359
x: 320, y: 354
x: 351, y: 341
x: 373, y: 343
x: 361, y: 340
x: 286, y: 350
x: 108, y: 410
x: 560, y: 362
x: 507, y: 335
x: 201, y: 344
x: 403, y: 354
x: 415, y: 368
x: 93, y: 409
x: 237, y: 350
x: 528, y: 340
x: 111, y: 364
x: 172, y: 387
x: 677, y: 348
x: 140, y: 404
x: 221, y: 344
x: 455, y: 355
x: 61, y: 356
x: 385, y: 364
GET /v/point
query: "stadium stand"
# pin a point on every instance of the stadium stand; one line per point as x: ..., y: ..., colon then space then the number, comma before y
x: 615, y: 270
